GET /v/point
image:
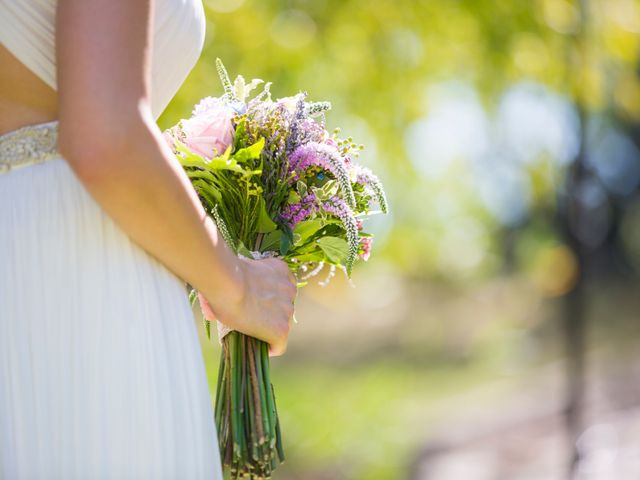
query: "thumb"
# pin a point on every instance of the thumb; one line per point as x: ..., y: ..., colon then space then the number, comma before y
x: 207, y: 311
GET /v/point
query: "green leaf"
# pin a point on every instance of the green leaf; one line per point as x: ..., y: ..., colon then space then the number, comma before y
x: 306, y: 229
x: 249, y: 153
x: 211, y: 194
x: 244, y: 251
x: 203, y: 174
x: 193, y: 296
x: 207, y: 328
x: 265, y: 224
x: 302, y: 188
x: 286, y: 241
x: 221, y: 163
x: 293, y: 197
x: 326, y: 191
x: 330, y: 188
x: 187, y: 157
x: 271, y: 241
x: 241, y: 131
x: 243, y: 89
x: 304, y: 249
x: 336, y: 249
x: 315, y: 256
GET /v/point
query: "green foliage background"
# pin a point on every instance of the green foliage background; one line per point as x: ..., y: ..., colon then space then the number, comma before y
x: 364, y: 416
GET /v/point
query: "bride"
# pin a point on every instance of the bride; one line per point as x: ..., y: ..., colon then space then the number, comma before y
x: 101, y: 375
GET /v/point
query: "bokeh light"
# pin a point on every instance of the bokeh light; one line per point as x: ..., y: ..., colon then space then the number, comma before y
x: 293, y: 29
x: 507, y: 135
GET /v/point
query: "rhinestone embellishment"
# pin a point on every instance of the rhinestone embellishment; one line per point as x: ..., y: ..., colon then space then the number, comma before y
x: 28, y: 145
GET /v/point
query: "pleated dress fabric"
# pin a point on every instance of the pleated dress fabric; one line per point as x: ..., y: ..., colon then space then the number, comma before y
x: 101, y: 372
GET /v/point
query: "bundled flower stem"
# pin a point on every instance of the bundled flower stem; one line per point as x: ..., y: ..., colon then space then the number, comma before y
x: 246, y: 416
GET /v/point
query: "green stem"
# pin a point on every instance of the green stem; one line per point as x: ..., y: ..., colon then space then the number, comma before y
x: 242, y: 355
x: 279, y: 447
x: 263, y: 404
x: 256, y: 393
x: 235, y: 393
x: 267, y: 382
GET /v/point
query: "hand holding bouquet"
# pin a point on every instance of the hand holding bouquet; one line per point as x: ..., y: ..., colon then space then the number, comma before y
x: 277, y: 185
x: 265, y: 308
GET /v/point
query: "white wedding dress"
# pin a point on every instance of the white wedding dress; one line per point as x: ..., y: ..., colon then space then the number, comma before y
x: 101, y: 372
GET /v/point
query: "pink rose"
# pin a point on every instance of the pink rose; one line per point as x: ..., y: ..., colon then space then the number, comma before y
x: 209, y: 133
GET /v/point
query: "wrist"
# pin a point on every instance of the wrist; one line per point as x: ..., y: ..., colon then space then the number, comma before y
x: 227, y: 291
x: 226, y: 287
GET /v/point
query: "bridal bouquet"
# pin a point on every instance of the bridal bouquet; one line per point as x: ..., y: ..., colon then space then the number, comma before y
x: 277, y: 184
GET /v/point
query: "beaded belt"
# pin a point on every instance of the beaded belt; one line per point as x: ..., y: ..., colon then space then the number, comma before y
x: 28, y: 145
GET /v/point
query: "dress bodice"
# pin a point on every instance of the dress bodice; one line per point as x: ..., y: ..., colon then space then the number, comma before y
x: 27, y: 30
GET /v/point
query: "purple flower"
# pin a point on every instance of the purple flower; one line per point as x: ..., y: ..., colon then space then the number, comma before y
x: 306, y: 156
x: 294, y: 213
x: 325, y: 157
x: 311, y: 131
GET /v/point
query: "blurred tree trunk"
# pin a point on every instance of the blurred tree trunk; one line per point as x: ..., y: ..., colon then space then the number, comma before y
x: 574, y: 328
x: 574, y: 219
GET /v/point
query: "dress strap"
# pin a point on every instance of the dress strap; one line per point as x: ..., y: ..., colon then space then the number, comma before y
x: 29, y: 145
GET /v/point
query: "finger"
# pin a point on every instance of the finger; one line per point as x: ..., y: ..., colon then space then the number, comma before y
x: 289, y: 291
x: 280, y: 265
x: 207, y: 311
x: 279, y: 345
x: 276, y: 350
x: 282, y: 268
x: 288, y: 310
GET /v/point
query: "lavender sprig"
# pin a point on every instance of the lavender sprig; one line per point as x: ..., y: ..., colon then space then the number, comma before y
x: 317, y: 108
x: 229, y: 91
x: 222, y: 228
x: 293, y: 213
x: 366, y: 177
x: 338, y: 207
x: 297, y: 119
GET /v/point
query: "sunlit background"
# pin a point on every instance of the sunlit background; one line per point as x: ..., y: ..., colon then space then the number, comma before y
x: 494, y: 333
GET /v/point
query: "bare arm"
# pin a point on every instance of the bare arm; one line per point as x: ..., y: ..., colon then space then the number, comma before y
x: 108, y: 136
